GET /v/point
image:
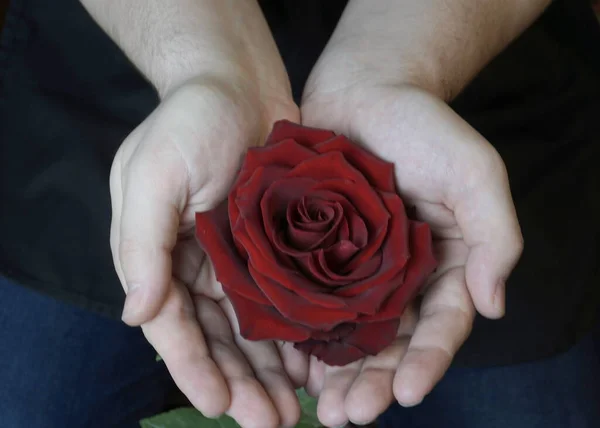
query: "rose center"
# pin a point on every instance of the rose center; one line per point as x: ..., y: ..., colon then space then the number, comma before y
x: 312, y: 223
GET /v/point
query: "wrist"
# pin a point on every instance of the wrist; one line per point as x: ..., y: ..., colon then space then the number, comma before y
x: 238, y: 101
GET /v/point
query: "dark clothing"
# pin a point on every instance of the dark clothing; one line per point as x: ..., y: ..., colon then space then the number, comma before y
x: 68, y: 97
x: 78, y: 369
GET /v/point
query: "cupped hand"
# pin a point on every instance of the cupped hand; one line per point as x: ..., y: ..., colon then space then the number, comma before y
x: 181, y: 160
x: 457, y: 183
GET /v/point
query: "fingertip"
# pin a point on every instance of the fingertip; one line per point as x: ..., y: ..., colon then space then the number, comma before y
x: 250, y: 405
x: 331, y: 410
x: 289, y: 414
x: 141, y: 305
x: 490, y: 304
x: 499, y: 300
x: 405, y: 392
x: 316, y: 377
x: 486, y: 278
x: 370, y: 395
x: 206, y: 389
x: 295, y: 364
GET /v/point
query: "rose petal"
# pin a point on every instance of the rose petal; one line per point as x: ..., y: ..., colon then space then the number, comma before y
x: 308, y: 137
x: 357, y: 230
x: 263, y: 322
x: 362, y: 341
x: 285, y: 155
x: 317, y: 268
x: 339, y: 332
x: 247, y: 200
x: 214, y: 235
x: 292, y: 279
x: 336, y: 256
x: 370, y: 208
x: 312, y: 267
x: 298, y: 310
x: 373, y: 338
x: 279, y: 192
x: 378, y: 172
x: 419, y: 267
x: 328, y: 166
x: 395, y: 252
x: 307, y: 236
x: 331, y: 353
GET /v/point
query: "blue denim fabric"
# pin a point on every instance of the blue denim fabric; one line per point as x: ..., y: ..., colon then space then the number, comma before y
x: 63, y: 367
x: 558, y: 392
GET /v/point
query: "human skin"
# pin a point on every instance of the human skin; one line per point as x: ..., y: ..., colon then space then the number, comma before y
x: 384, y: 80
x: 222, y: 84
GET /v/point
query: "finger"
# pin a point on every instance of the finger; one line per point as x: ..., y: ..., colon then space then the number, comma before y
x: 250, y: 405
x: 116, y: 200
x: 295, y: 364
x: 445, y: 321
x: 316, y: 377
x: 488, y: 220
x: 176, y: 335
x: 264, y: 360
x: 371, y: 393
x: 440, y: 218
x: 154, y: 193
x: 450, y: 254
x: 331, y: 408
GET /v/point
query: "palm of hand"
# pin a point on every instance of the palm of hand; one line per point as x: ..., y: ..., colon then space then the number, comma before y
x: 180, y: 161
x: 457, y: 183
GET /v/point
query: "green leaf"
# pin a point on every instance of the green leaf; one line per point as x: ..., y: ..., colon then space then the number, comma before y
x: 308, y: 418
x: 158, y: 358
x: 188, y: 417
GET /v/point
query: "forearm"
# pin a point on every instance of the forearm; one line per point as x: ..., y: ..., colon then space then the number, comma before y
x: 173, y: 41
x: 439, y: 45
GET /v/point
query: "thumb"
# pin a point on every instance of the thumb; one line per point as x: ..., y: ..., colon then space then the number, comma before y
x: 153, y: 194
x: 487, y: 218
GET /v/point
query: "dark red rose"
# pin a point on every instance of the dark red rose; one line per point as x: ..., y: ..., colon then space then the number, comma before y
x: 314, y: 245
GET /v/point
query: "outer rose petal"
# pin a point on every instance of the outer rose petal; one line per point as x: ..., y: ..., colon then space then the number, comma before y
x: 308, y: 137
x: 420, y: 266
x: 331, y: 353
x: 298, y: 310
x: 248, y: 203
x: 328, y: 166
x: 214, y: 235
x: 263, y: 322
x: 378, y: 172
x: 366, y: 339
x: 373, y: 338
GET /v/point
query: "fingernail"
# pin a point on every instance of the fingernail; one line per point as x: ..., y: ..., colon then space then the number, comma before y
x: 133, y: 302
x: 410, y: 404
x: 499, y: 297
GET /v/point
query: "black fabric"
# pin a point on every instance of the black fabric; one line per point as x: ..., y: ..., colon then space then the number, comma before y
x: 68, y: 97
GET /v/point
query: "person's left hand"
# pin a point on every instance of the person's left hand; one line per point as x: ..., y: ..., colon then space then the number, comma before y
x: 458, y: 184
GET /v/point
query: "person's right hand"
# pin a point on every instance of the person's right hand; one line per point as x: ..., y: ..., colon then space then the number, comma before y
x: 181, y: 160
